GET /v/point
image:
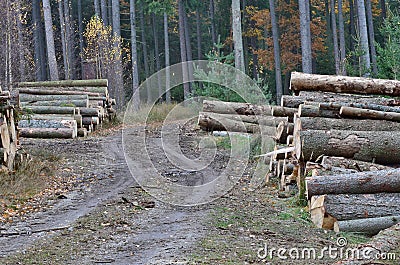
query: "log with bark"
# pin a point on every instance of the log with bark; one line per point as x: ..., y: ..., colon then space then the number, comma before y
x: 338, y: 105
x: 369, y: 226
x: 52, y: 110
x: 372, y: 146
x: 77, y: 118
x: 211, y: 122
x: 278, y: 111
x: 369, y: 114
x: 319, y: 123
x: 72, y: 124
x: 32, y: 97
x: 263, y: 120
x: 327, y: 97
x: 84, y: 103
x: 316, y: 111
x: 327, y: 209
x: 102, y: 91
x: 354, y: 183
x: 90, y: 111
x: 56, y: 92
x: 343, y: 84
x: 67, y: 83
x: 47, y: 132
x: 235, y: 108
x: 360, y: 166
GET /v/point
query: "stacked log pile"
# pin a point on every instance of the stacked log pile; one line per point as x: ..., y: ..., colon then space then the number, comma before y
x: 345, y: 150
x: 8, y: 131
x: 64, y: 109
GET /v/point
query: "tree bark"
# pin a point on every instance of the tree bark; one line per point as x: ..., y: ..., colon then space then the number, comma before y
x: 35, y: 98
x: 262, y: 120
x: 277, y: 51
x: 43, y: 92
x: 306, y: 96
x: 306, y: 53
x: 341, y: 162
x: 316, y: 111
x: 371, y: 37
x: 52, y: 110
x: 51, y: 54
x: 80, y: 32
x: 278, y: 111
x: 182, y: 43
x: 355, y: 183
x: 63, y: 39
x: 66, y: 83
x: 343, y: 84
x: 235, y: 108
x: 378, y: 146
x: 89, y: 111
x: 103, y: 91
x: 97, y: 8
x: 369, y: 226
x: 104, y: 13
x: 237, y: 36
x: 208, y: 123
x: 134, y: 58
x: 69, y: 39
x: 364, y: 42
x: 144, y: 51
x: 58, y: 103
x: 335, y: 37
x: 58, y: 117
x: 318, y: 123
x: 38, y: 38
x: 189, y: 54
x: 118, y: 75
x: 157, y: 55
x: 47, y: 133
x: 342, y: 40
x: 338, y: 106
x: 198, y: 33
x: 369, y: 114
x: 212, y: 18
x: 167, y: 60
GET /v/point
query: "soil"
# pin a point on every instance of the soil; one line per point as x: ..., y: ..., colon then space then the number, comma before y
x: 106, y: 217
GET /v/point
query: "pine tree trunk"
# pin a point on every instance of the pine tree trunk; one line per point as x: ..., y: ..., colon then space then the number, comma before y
x: 371, y: 36
x: 342, y: 41
x: 277, y: 56
x: 144, y: 50
x: 198, y: 31
x: 96, y: 8
x: 69, y: 40
x: 51, y: 54
x: 21, y: 52
x: 306, y: 53
x: 38, y: 40
x: 182, y: 42
x: 237, y: 36
x: 335, y: 38
x: 363, y: 31
x: 188, y: 47
x: 134, y: 59
x: 157, y: 55
x: 63, y: 39
x: 104, y: 13
x: 212, y: 18
x: 167, y: 60
x: 80, y: 32
x: 118, y: 75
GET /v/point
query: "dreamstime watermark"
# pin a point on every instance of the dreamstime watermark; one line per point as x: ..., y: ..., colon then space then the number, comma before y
x: 340, y: 251
x: 143, y: 153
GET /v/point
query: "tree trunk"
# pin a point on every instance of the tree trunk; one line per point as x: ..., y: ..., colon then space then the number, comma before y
x: 60, y: 103
x: 369, y: 226
x: 104, y: 13
x: 182, y: 42
x: 21, y: 51
x: 52, y: 110
x: 369, y: 114
x: 63, y: 39
x: 118, y: 85
x: 278, y: 111
x: 318, y: 123
x: 157, y: 55
x: 262, y: 120
x: 277, y: 51
x: 363, y: 31
x: 305, y: 96
x: 343, y: 84
x: 80, y: 33
x: 89, y: 111
x: 235, y: 108
x: 198, y: 33
x: 378, y: 146
x: 383, y: 8
x: 316, y: 111
x: 212, y: 18
x: 134, y: 58
x: 342, y: 40
x: 69, y: 40
x: 355, y: 183
x: 67, y: 83
x: 338, y: 105
x: 341, y: 162
x: 188, y: 46
x: 237, y: 35
x: 39, y: 54
x: 335, y: 37
x: 327, y: 209
x: 57, y: 90
x: 208, y: 123
x: 167, y: 60
x: 51, y: 54
x: 144, y: 51
x: 371, y: 36
x: 35, y: 91
x: 97, y: 8
x: 306, y: 53
x: 47, y: 133
x: 35, y: 98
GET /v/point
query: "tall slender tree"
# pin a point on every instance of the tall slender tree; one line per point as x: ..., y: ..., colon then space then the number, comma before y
x: 198, y: 33
x: 134, y: 58
x: 167, y: 60
x: 237, y: 35
x: 364, y: 43
x: 118, y: 71
x: 371, y: 37
x: 306, y: 54
x: 69, y: 39
x: 104, y: 13
x: 97, y: 8
x: 144, y: 50
x: 157, y: 52
x: 212, y: 18
x: 80, y: 33
x: 182, y: 43
x: 335, y: 37
x: 38, y: 41
x: 63, y: 38
x: 277, y: 51
x: 51, y: 52
x: 342, y: 40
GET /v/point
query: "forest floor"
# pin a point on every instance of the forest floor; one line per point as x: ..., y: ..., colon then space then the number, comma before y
x: 98, y: 214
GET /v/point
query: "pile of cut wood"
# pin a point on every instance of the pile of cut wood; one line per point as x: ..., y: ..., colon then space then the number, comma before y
x: 64, y: 109
x: 337, y: 146
x: 9, y: 133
